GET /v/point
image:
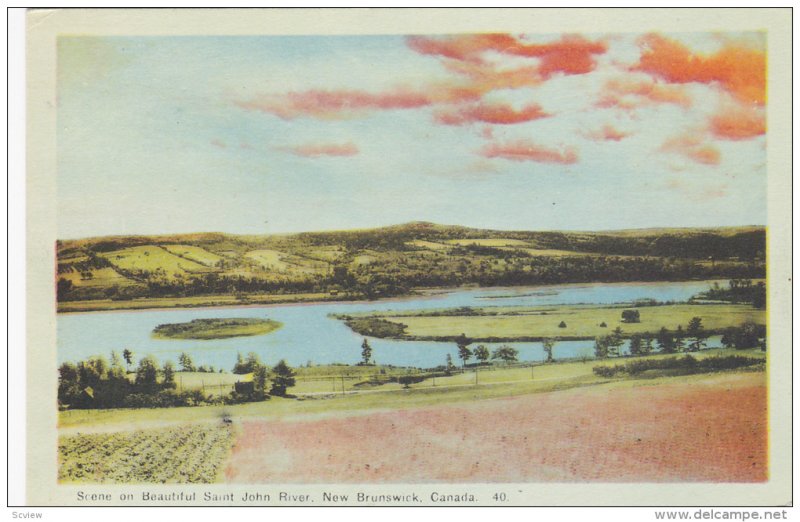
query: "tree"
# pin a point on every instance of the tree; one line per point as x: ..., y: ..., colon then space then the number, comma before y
x: 548, y: 345
x: 630, y: 316
x: 635, y: 347
x: 562, y: 324
x: 238, y: 367
x: 366, y: 352
x: 728, y: 337
x: 665, y: 341
x: 449, y: 367
x: 697, y: 336
x: 615, y: 340
x: 482, y: 353
x: 128, y: 356
x: 63, y: 287
x: 506, y: 353
x: 147, y: 372
x: 116, y: 372
x: 464, y: 353
x: 282, y: 378
x: 187, y: 365
x: 169, y: 375
x: 260, y: 378
x: 680, y: 336
x: 601, y: 347
x: 253, y: 361
x: 647, y: 344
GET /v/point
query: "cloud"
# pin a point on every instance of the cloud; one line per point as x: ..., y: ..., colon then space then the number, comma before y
x: 738, y: 68
x: 572, y: 54
x: 219, y: 143
x: 628, y: 93
x: 315, y: 150
x: 693, y: 147
x: 497, y: 113
x: 524, y: 150
x: 738, y: 122
x: 607, y: 133
x: 330, y: 104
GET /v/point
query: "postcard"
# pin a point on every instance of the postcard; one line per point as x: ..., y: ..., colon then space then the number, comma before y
x: 407, y: 257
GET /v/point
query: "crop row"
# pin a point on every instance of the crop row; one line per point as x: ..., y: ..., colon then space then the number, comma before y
x: 185, y: 454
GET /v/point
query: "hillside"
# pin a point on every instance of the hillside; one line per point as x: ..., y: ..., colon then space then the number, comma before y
x: 393, y: 260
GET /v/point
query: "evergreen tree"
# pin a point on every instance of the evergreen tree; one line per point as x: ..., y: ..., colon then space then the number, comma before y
x: 366, y: 352
x: 282, y: 378
x: 548, y: 345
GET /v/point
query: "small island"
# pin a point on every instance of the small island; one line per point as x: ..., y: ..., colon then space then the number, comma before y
x: 207, y: 329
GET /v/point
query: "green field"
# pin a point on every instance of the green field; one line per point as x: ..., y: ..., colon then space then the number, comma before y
x: 151, y: 259
x: 581, y: 322
x: 216, y: 328
x: 188, y: 302
x: 194, y: 253
x: 493, y: 382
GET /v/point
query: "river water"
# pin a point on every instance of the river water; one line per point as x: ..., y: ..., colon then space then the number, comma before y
x: 309, y: 335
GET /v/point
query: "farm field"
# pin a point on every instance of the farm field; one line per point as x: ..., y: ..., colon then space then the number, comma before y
x: 615, y: 433
x: 152, y: 258
x: 100, y: 277
x: 194, y: 253
x: 195, y: 454
x: 509, y: 323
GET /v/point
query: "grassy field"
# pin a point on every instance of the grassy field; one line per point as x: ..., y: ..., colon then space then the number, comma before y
x: 194, y: 253
x: 492, y: 383
x: 185, y: 454
x: 216, y: 328
x: 489, y: 242
x: 582, y: 322
x: 100, y: 277
x: 152, y: 258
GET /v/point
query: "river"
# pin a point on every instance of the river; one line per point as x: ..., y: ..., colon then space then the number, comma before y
x: 310, y: 335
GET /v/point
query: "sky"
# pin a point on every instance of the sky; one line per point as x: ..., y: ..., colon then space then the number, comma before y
x: 278, y: 134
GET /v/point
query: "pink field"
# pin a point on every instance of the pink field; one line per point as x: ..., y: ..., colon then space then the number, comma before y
x: 714, y: 431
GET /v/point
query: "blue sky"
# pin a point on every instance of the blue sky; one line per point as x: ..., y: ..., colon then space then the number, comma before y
x: 283, y: 134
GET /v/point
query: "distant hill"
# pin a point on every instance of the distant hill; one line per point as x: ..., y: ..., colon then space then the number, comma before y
x: 392, y: 260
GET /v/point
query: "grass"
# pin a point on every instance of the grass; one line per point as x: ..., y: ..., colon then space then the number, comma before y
x: 194, y: 253
x: 216, y: 328
x: 101, y: 277
x: 152, y: 258
x: 582, y: 322
x: 430, y: 245
x: 493, y: 383
x: 547, y: 252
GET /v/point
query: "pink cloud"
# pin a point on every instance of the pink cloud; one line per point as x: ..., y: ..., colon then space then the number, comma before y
x: 738, y: 122
x: 628, y: 93
x: 692, y: 146
x: 315, y: 150
x: 219, y: 143
x: 571, y: 54
x: 524, y: 150
x: 498, y: 113
x: 607, y: 133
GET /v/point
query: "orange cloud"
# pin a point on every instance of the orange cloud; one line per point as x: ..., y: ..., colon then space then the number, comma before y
x: 737, y: 68
x: 607, y: 133
x: 692, y: 147
x: 500, y: 114
x: 326, y: 104
x: 738, y: 122
x: 523, y: 150
x: 322, y: 149
x: 626, y: 93
x: 571, y: 54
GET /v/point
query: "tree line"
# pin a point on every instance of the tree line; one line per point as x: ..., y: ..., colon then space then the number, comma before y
x: 97, y: 384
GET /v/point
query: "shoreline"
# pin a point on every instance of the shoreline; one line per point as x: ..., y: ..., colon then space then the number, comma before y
x: 224, y: 301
